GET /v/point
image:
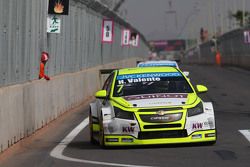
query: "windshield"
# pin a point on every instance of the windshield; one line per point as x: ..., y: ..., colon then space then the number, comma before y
x: 150, y: 83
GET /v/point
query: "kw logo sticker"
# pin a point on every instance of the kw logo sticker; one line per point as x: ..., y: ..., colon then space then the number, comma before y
x: 128, y: 129
x: 197, y: 126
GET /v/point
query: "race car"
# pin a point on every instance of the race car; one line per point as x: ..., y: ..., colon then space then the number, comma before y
x: 158, y: 63
x: 151, y: 105
x: 161, y: 63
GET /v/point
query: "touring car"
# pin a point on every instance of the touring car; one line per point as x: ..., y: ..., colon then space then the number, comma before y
x: 158, y: 63
x: 161, y: 63
x: 151, y: 105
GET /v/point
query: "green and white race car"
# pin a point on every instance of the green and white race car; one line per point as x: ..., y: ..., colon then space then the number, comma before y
x: 151, y: 105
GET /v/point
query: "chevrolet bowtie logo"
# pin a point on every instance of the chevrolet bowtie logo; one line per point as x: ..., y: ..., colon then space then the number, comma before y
x: 161, y: 112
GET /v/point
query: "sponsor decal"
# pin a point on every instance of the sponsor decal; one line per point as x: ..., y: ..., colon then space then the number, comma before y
x: 145, y: 77
x: 155, y: 96
x: 128, y: 129
x: 201, y: 125
x: 210, y: 122
x: 197, y: 126
x: 148, y: 75
x: 161, y: 118
x: 122, y: 82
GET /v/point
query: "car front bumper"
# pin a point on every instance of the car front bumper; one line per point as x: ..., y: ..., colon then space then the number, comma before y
x: 126, y: 140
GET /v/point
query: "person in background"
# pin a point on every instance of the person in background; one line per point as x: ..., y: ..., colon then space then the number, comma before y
x: 44, y: 59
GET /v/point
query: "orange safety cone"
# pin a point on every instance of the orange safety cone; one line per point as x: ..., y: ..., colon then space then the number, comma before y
x: 218, y: 58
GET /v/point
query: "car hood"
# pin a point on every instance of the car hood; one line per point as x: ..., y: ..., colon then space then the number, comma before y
x: 158, y: 100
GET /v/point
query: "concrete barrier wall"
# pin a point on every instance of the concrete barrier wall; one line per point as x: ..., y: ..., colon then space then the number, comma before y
x: 76, y: 55
x: 27, y: 107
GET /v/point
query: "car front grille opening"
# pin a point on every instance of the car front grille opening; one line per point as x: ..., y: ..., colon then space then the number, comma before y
x: 162, y: 134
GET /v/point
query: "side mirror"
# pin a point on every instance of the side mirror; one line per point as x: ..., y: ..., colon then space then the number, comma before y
x: 102, y: 94
x: 201, y: 88
x: 186, y: 73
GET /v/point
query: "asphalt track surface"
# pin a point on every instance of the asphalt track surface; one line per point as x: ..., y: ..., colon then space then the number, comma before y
x: 229, y: 90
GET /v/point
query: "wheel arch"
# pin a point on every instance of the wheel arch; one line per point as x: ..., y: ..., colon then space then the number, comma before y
x: 93, y: 109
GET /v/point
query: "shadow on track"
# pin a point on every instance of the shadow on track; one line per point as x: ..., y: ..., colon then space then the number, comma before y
x: 85, y: 145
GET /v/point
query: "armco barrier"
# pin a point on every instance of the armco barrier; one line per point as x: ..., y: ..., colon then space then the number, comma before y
x: 234, y: 51
x: 76, y: 55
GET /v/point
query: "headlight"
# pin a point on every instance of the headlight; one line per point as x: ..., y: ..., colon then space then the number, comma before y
x: 196, y: 110
x: 119, y: 113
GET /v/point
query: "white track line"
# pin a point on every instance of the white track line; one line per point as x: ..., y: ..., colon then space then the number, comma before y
x: 57, y: 152
x: 246, y: 133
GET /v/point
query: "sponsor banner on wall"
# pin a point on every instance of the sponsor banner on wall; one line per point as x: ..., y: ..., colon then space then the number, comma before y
x: 53, y: 24
x: 134, y: 39
x: 107, y: 31
x: 125, y: 37
x: 60, y: 7
x: 169, y: 45
x: 246, y: 36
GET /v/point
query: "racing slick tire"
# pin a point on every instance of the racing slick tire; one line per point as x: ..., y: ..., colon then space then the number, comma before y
x: 101, y: 133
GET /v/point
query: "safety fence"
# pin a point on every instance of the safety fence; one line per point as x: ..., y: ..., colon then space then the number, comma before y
x: 234, y: 49
x: 23, y: 37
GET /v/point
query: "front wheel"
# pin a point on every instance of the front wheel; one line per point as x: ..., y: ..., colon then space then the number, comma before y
x: 101, y: 133
x: 91, y: 133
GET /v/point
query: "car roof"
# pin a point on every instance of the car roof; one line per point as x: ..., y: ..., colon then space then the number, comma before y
x: 146, y: 70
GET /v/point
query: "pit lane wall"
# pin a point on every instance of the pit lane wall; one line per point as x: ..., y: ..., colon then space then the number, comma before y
x: 232, y: 46
x: 76, y: 55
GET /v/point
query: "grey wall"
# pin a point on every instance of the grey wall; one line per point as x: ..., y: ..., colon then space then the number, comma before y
x: 23, y: 37
x: 27, y: 104
x: 25, y: 108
